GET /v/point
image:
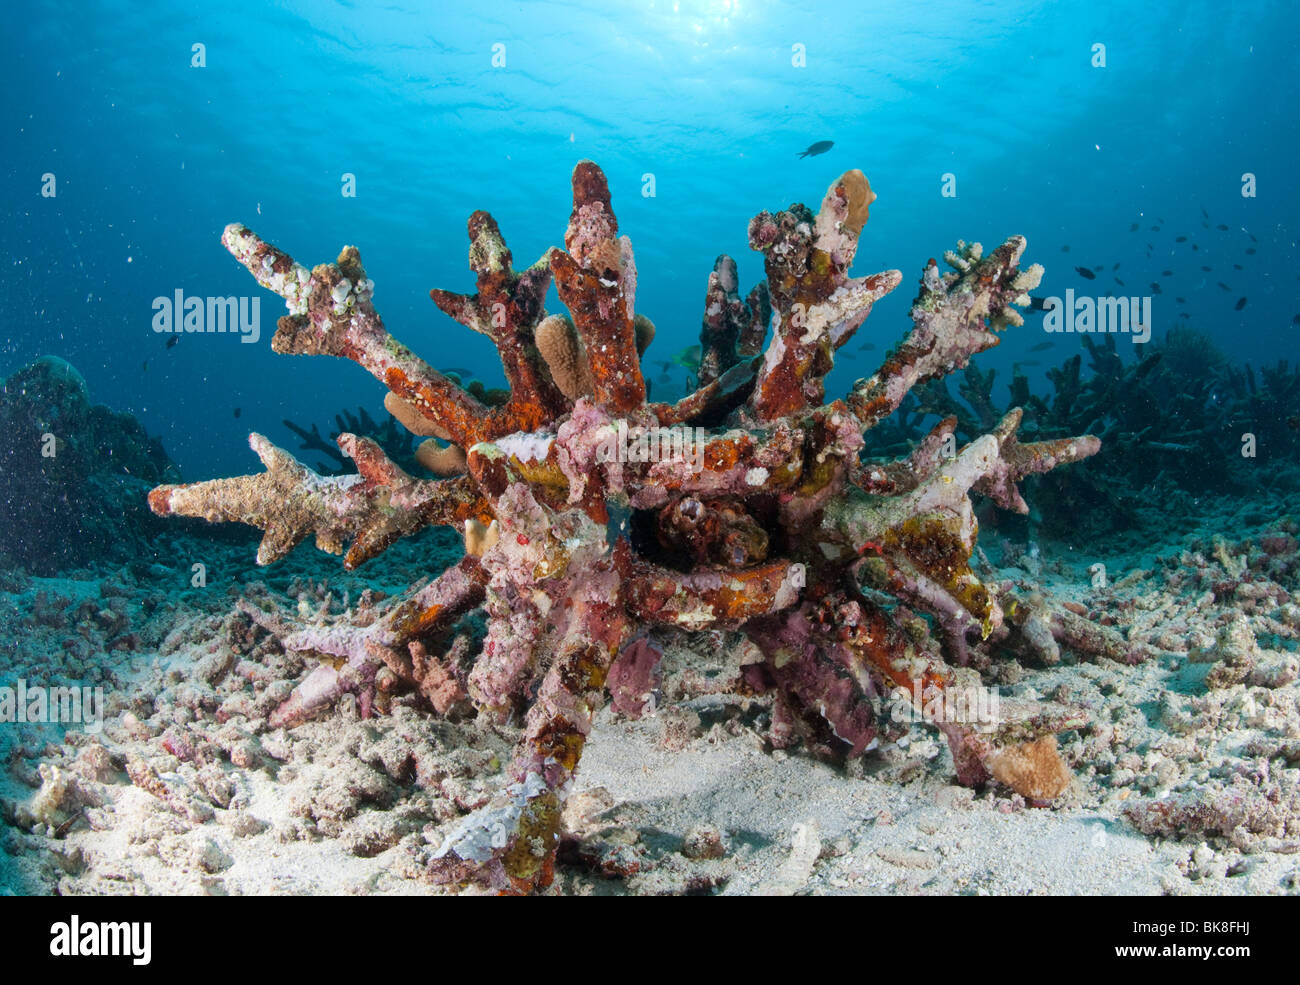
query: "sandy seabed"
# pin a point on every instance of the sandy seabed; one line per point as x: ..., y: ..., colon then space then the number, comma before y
x: 1186, y: 777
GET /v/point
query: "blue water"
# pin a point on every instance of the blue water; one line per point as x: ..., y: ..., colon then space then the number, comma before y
x: 153, y: 157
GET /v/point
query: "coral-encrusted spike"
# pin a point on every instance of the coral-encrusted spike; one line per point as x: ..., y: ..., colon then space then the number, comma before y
x: 949, y: 318
x: 816, y: 306
x: 508, y: 308
x: 596, y: 279
x: 289, y: 501
x: 331, y: 314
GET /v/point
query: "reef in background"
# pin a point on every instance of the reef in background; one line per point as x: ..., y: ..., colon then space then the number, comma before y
x: 72, y: 473
x: 1178, y: 424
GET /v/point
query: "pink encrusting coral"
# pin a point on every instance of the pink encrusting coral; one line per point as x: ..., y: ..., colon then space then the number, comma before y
x: 594, y: 517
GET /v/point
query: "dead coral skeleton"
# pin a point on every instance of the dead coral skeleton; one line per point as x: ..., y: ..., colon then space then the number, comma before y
x: 834, y: 567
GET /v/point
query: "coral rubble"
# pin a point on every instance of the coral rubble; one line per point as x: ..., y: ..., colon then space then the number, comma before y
x: 595, y: 517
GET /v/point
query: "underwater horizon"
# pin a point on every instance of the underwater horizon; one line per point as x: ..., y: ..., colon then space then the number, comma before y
x: 153, y: 157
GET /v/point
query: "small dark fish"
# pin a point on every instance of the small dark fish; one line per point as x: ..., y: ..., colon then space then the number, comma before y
x: 1183, y: 314
x: 821, y: 147
x: 1225, y: 286
x: 1041, y: 347
x: 1221, y: 228
x: 1181, y: 239
x: 1206, y: 269
x: 238, y: 412
x: 1250, y: 251
x: 1237, y: 266
x: 1065, y: 248
x: 1205, y: 225
x: 62, y: 830
x: 1119, y: 282
x: 144, y: 366
x: 1040, y: 304
x: 1293, y: 423
x: 1155, y: 287
x: 1195, y: 247
x: 1116, y: 267
x: 1166, y: 273
x: 1181, y: 300
x: 1133, y: 228
x: 1155, y: 229
x: 172, y: 341
x: 867, y: 347
x: 1241, y: 303
x: 1252, y: 237
x: 1085, y: 273
x: 1295, y: 320
x: 1204, y: 213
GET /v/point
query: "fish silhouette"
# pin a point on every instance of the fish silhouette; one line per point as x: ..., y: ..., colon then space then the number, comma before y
x: 821, y: 147
x: 1085, y: 273
x: 689, y: 358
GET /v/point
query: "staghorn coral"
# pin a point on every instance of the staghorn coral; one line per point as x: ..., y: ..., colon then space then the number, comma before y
x: 395, y: 439
x: 594, y: 518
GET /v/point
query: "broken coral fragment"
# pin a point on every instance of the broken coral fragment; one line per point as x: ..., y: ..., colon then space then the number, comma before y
x: 765, y: 520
